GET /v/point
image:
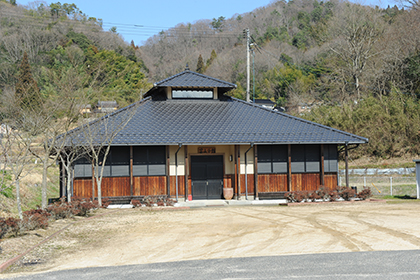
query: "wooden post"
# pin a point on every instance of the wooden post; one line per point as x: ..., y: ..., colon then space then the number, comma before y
x: 235, y: 186
x: 186, y: 171
x: 168, y: 182
x: 289, y: 167
x: 255, y: 172
x: 347, y: 165
x: 322, y: 165
x: 131, y: 171
x: 238, y: 193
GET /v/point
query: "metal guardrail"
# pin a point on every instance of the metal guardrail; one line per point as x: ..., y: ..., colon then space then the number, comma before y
x: 384, y: 185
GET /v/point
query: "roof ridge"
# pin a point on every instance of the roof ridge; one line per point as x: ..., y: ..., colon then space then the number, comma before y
x: 301, y: 119
x: 194, y: 73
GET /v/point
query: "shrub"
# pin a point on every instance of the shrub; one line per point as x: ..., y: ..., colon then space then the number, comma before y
x: 83, y: 206
x: 61, y: 209
x: 323, y: 193
x: 159, y: 200
x: 9, y: 225
x: 333, y: 196
x: 346, y: 193
x: 34, y: 219
x: 105, y: 202
x: 365, y: 193
x: 290, y: 196
x: 135, y: 203
x: 313, y: 196
x: 297, y: 196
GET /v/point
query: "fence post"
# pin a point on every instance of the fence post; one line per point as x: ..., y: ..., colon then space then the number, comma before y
x: 390, y: 180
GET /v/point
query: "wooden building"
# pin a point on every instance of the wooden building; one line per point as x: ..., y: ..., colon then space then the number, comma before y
x: 187, y: 137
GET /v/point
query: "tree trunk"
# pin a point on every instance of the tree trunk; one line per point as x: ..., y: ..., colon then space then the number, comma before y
x: 69, y: 180
x: 356, y: 81
x: 19, y: 204
x: 99, y: 182
x: 44, y: 184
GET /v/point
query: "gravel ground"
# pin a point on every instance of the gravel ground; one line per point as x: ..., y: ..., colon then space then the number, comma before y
x: 139, y: 236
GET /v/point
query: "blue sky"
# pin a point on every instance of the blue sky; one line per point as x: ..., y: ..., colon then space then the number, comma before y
x: 139, y: 20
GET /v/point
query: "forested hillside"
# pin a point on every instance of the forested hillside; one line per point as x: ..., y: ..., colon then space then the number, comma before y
x: 356, y: 67
x: 68, y: 51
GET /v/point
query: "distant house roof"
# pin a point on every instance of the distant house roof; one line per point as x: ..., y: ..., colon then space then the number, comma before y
x: 264, y: 102
x: 107, y: 104
x: 190, y: 79
x: 227, y: 121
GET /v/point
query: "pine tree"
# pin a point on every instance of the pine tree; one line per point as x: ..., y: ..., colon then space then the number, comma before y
x: 213, y: 56
x: 27, y: 90
x: 200, y: 65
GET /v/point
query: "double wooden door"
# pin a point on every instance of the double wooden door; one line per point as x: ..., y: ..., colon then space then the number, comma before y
x: 207, y: 177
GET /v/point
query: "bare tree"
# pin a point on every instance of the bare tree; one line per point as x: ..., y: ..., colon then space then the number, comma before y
x: 354, y: 33
x: 16, y: 142
x: 98, y: 136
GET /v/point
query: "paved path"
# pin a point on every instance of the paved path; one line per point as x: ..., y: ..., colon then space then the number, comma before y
x: 356, y: 265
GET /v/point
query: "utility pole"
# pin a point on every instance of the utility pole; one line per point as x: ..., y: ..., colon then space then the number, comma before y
x: 248, y: 41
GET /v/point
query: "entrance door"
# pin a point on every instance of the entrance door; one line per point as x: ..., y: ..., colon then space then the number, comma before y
x: 207, y: 177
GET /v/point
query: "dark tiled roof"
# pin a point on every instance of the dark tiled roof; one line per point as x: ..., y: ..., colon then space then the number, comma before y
x: 264, y: 101
x: 232, y: 121
x: 188, y: 79
x: 192, y: 79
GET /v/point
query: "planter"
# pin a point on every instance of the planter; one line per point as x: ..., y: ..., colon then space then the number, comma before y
x: 228, y: 193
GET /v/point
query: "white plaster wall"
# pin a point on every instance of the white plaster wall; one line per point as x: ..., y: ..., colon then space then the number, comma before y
x: 250, y: 159
x: 225, y: 150
x: 181, y: 161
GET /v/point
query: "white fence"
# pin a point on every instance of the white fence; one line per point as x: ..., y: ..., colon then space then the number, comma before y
x: 384, y: 185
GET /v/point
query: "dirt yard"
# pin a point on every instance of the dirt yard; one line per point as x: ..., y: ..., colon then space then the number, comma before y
x: 139, y: 236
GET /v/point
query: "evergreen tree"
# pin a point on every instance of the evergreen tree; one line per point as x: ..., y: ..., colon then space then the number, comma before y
x: 27, y: 90
x: 200, y: 65
x: 213, y: 56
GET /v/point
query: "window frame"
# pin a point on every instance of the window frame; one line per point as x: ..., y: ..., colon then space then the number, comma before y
x: 272, y: 161
x: 149, y: 166
x: 183, y: 90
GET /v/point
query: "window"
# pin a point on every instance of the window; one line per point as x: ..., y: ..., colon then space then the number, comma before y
x: 306, y: 158
x: 192, y: 93
x: 149, y: 161
x: 330, y: 158
x: 117, y: 164
x: 82, y: 168
x: 272, y: 159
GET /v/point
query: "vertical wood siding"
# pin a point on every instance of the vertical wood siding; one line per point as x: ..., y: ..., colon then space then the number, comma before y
x: 82, y: 188
x: 306, y: 181
x: 272, y: 182
x: 300, y: 182
x: 110, y: 186
x: 115, y: 186
x: 229, y: 181
x: 181, y: 186
x: 149, y: 185
x: 250, y: 184
x: 330, y: 181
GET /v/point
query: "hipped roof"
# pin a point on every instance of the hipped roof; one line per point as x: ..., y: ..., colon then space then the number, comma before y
x: 190, y: 79
x: 215, y: 122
